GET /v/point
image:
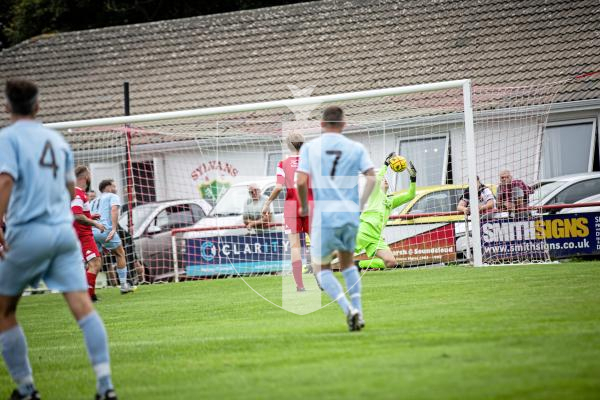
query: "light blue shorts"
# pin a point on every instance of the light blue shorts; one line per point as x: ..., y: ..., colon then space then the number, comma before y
x: 100, y: 238
x: 40, y: 251
x: 324, y: 241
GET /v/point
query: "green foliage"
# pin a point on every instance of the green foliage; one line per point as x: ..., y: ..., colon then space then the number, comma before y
x: 23, y: 19
x: 514, y: 332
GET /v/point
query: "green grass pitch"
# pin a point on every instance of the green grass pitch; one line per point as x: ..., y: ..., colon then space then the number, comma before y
x: 511, y: 332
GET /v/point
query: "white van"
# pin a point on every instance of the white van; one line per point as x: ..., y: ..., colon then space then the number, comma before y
x: 227, y: 213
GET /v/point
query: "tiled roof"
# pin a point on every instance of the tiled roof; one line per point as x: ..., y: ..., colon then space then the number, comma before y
x: 338, y: 46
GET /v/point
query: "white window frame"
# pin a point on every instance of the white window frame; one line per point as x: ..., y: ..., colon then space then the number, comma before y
x: 593, y: 121
x: 268, y: 154
x: 439, y: 135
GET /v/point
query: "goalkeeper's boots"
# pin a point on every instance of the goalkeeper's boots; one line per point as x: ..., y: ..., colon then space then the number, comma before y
x: 353, y: 320
x: 110, y: 394
x: 127, y: 288
x: 18, y: 396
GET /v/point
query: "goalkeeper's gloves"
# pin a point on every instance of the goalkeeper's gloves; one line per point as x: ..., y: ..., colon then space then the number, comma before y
x: 412, y: 171
x: 388, y: 158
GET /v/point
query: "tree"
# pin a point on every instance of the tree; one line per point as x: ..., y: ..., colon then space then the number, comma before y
x: 23, y: 19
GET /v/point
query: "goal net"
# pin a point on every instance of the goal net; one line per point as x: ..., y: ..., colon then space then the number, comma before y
x: 186, y: 178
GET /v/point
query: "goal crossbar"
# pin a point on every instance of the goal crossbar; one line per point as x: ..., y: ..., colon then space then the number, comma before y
x: 302, y: 101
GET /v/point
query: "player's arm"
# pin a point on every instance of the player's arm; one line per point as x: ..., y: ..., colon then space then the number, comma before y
x: 79, y: 216
x: 6, y: 185
x: 71, y: 189
x: 83, y: 220
x: 114, y: 217
x: 369, y: 185
x: 266, y: 209
x: 412, y: 189
x: 302, y: 186
x: 463, y: 206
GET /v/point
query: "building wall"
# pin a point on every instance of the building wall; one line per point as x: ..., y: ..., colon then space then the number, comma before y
x: 513, y: 144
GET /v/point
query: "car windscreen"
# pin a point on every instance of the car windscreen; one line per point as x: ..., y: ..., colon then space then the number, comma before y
x: 542, y: 189
x: 232, y: 202
x: 140, y: 213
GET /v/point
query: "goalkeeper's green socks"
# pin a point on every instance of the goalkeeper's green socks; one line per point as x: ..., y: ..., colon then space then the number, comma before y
x: 373, y: 263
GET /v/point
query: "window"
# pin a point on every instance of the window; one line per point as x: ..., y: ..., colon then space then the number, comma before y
x: 279, y: 201
x: 577, y: 191
x: 197, y: 212
x: 568, y: 148
x: 435, y: 202
x: 174, y: 217
x: 430, y: 156
x: 273, y: 159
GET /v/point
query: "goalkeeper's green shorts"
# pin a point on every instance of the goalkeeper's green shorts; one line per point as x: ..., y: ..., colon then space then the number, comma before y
x: 369, y: 241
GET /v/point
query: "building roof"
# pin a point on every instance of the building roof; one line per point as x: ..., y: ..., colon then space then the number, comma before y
x: 336, y: 46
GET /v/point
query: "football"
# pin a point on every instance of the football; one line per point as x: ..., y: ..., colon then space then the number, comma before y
x: 398, y: 163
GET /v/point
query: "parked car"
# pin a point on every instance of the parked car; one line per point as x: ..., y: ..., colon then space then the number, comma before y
x: 152, y: 223
x: 592, y: 199
x: 228, y: 210
x: 433, y: 199
x: 567, y: 189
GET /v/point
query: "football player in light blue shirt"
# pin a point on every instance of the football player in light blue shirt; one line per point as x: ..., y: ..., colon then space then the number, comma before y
x: 36, y: 178
x: 107, y: 204
x: 333, y: 163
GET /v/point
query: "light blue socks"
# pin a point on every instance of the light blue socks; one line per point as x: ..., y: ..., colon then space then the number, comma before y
x: 96, y: 342
x: 122, y: 273
x: 14, y: 352
x: 333, y: 288
x: 354, y: 285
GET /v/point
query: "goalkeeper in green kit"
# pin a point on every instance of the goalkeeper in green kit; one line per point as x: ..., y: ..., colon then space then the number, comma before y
x: 375, y: 217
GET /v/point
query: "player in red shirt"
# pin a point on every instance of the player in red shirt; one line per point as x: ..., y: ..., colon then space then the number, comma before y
x: 294, y: 224
x: 84, y: 221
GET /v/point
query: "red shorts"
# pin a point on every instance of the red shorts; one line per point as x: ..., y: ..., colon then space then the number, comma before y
x: 89, y: 249
x: 296, y: 224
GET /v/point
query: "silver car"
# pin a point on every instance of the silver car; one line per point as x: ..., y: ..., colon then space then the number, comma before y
x: 152, y: 224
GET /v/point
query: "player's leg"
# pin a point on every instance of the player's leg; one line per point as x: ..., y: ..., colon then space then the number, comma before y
x: 324, y: 242
x: 348, y: 235
x: 140, y: 270
x: 66, y: 275
x: 94, y: 266
x: 95, y: 337
x: 353, y: 287
x: 387, y: 257
x: 23, y: 265
x: 381, y: 257
x: 119, y: 254
x: 296, y: 255
x: 93, y: 261
x: 14, y: 349
x: 369, y: 240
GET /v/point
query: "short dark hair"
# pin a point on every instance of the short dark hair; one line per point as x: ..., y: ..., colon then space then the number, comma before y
x: 21, y: 95
x: 333, y: 116
x: 104, y: 184
x: 80, y: 170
